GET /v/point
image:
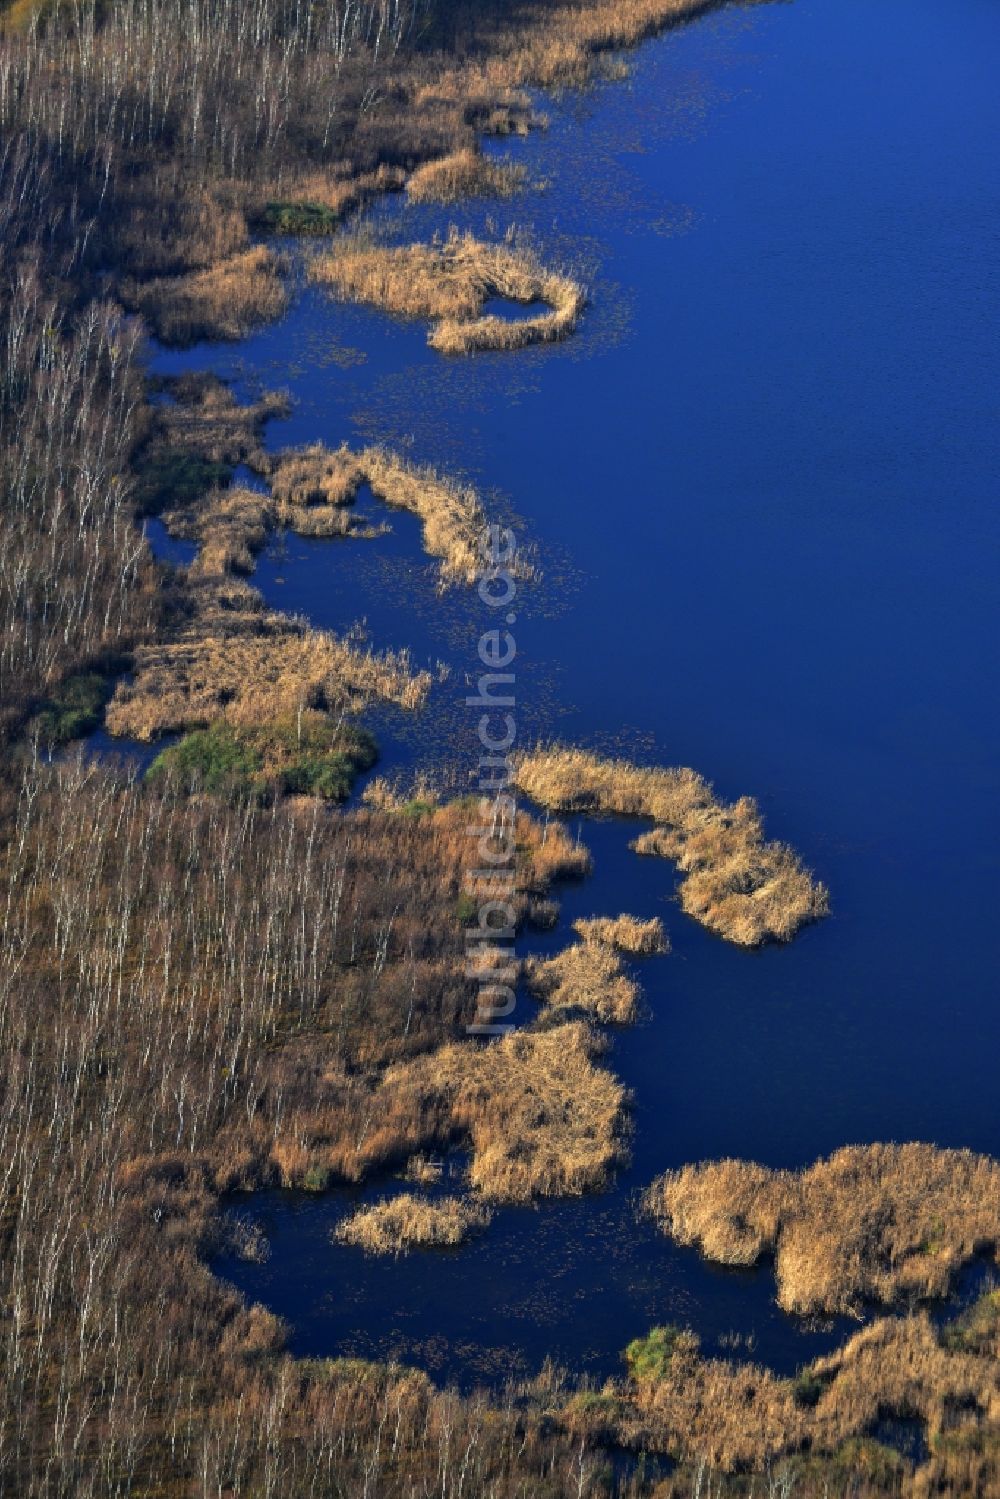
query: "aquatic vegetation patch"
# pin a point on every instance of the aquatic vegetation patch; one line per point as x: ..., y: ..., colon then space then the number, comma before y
x: 225, y: 301
x: 588, y: 977
x: 879, y: 1223
x: 308, y: 755
x: 466, y: 173
x: 624, y: 933
x: 231, y: 658
x: 197, y: 414
x: 399, y: 1224
x: 541, y: 1119
x: 735, y: 883
x: 449, y: 283
x: 743, y: 1418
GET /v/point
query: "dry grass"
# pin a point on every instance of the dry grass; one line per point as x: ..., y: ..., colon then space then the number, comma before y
x: 542, y: 1120
x: 231, y: 527
x: 748, y: 890
x: 451, y: 515
x: 237, y: 661
x: 225, y: 301
x: 588, y: 976
x: 203, y: 417
x: 466, y: 173
x: 741, y: 1417
x: 399, y: 1224
x: 449, y: 284
x: 311, y: 488
x: 625, y: 933
x: 882, y: 1223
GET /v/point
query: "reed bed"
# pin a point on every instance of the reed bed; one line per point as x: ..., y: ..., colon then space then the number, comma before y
x: 625, y: 934
x: 241, y: 663
x: 586, y: 977
x: 203, y: 431
x: 747, y: 890
x: 878, y: 1223
x: 225, y: 301
x: 743, y: 1418
x: 449, y: 284
x: 399, y: 1224
x: 466, y: 173
x: 541, y: 1119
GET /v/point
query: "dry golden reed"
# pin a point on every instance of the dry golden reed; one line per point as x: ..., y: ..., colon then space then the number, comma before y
x: 224, y: 301
x: 624, y: 933
x: 587, y: 976
x: 239, y: 662
x: 748, y: 890
x: 741, y: 1417
x: 465, y: 173
x: 399, y: 1224
x: 449, y: 284
x: 542, y: 1120
x: 883, y: 1223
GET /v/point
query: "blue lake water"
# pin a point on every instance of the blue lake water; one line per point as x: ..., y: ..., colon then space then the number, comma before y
x: 761, y: 483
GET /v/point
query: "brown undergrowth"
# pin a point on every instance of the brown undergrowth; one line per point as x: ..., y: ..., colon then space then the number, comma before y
x: 449, y: 283
x: 226, y: 300
x: 398, y: 1224
x: 738, y: 885
x: 877, y: 1223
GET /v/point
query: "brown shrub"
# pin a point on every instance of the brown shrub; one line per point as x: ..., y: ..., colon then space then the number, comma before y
x: 225, y: 301
x: 189, y: 234
x: 399, y: 1224
x: 736, y: 884
x: 885, y: 1223
x: 449, y: 283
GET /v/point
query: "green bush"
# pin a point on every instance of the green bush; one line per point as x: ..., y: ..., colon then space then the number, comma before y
x: 977, y: 1328
x: 297, y: 218
x: 309, y: 758
x: 807, y: 1387
x: 76, y: 708
x: 213, y: 760
x: 329, y: 776
x: 649, y: 1358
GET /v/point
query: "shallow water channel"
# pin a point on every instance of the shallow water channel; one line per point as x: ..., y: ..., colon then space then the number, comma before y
x: 761, y: 485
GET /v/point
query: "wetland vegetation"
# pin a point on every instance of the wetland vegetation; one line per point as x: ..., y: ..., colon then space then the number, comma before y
x: 215, y: 979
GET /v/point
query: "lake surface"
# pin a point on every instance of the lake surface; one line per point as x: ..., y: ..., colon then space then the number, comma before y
x: 761, y: 484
